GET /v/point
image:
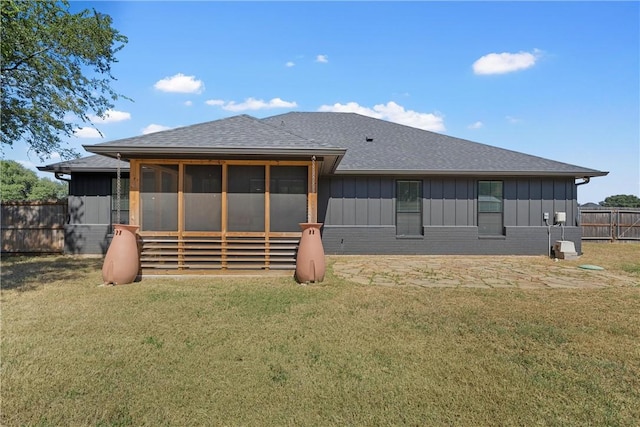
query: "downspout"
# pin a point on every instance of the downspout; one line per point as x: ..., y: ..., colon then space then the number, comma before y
x: 586, y: 180
x: 546, y: 222
x: 58, y: 176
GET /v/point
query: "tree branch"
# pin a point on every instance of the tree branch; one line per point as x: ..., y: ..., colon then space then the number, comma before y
x: 23, y: 60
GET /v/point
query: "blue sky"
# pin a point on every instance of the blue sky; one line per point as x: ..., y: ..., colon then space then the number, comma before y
x: 559, y: 80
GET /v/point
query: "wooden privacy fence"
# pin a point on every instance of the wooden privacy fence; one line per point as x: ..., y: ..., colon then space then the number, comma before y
x: 33, y: 227
x: 610, y: 223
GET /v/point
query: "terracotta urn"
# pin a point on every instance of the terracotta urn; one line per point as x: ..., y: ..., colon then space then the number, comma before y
x: 310, y: 263
x: 122, y: 262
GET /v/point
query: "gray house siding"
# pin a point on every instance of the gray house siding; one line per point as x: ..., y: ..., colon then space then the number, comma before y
x: 442, y: 241
x: 358, y: 213
x: 357, y: 201
x: 88, y: 227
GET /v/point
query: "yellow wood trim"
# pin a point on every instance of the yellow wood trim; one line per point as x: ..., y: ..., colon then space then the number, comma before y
x: 291, y: 234
x: 246, y: 234
x: 313, y: 207
x: 134, y: 192
x: 214, y: 271
x: 202, y: 234
x: 267, y: 201
x: 224, y: 207
x: 192, y: 234
x: 267, y: 210
x: 223, y: 161
x: 268, y: 162
x: 180, y: 212
x: 312, y: 198
x: 159, y: 233
x: 192, y: 161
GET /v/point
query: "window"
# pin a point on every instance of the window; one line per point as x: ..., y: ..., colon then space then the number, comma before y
x: 202, y: 197
x: 409, y: 208
x: 288, y: 197
x: 245, y: 195
x: 159, y: 197
x: 490, y: 208
x: 214, y: 198
x: 124, y: 201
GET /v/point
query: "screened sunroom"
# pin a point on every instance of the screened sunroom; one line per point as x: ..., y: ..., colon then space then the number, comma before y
x: 230, y: 201
x: 220, y: 214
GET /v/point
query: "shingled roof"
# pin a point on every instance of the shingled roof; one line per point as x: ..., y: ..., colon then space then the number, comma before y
x: 95, y: 163
x: 237, y: 134
x: 350, y: 143
x: 378, y: 146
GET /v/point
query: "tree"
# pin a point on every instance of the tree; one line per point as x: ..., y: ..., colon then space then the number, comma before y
x: 55, y: 65
x: 20, y: 183
x: 621, y: 201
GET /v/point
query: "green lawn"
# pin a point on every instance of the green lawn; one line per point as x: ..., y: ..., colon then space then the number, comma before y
x: 250, y: 351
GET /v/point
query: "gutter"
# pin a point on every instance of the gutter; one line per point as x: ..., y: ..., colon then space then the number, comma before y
x: 586, y: 181
x: 461, y: 172
x: 58, y: 176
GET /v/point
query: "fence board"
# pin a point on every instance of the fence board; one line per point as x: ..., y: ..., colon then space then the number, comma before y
x: 33, y: 227
x: 610, y: 223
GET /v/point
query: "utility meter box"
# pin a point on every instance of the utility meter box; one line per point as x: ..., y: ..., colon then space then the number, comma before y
x: 560, y: 217
x: 564, y: 249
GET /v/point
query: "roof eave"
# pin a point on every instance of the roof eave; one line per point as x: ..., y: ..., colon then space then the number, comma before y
x: 129, y: 151
x: 68, y: 171
x: 414, y: 172
x: 332, y: 156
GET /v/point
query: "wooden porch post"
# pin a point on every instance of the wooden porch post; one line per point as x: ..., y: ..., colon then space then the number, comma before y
x: 312, y: 200
x: 134, y: 192
x: 224, y: 219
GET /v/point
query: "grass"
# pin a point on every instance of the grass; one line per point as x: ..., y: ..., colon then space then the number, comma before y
x: 266, y: 351
x: 616, y: 257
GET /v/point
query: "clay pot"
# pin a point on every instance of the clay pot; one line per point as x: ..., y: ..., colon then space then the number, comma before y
x: 310, y: 263
x: 122, y: 262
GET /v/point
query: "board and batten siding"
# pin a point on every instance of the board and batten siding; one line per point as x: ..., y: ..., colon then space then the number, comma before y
x: 358, y: 213
x: 89, y: 213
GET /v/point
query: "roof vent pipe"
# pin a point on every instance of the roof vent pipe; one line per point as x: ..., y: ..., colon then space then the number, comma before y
x: 586, y: 181
x: 368, y: 138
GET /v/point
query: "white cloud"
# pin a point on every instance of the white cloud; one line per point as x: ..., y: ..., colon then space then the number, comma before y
x: 393, y: 113
x: 476, y: 125
x: 350, y: 107
x: 180, y: 84
x: 111, y: 116
x: 188, y: 103
x: 290, y: 64
x: 501, y: 63
x: 322, y: 58
x: 251, y: 104
x: 27, y: 164
x: 87, y: 132
x: 154, y: 128
x: 513, y: 120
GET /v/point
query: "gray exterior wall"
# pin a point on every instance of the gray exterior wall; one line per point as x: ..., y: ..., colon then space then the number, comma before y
x: 88, y: 227
x: 358, y: 213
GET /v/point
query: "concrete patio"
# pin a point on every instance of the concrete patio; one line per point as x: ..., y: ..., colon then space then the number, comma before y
x: 474, y: 271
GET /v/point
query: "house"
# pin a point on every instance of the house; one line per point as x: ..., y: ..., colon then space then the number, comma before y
x: 229, y: 194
